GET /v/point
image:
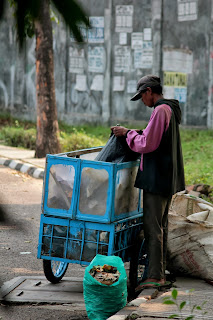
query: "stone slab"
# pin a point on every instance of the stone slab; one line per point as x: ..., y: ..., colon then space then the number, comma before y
x: 39, y: 290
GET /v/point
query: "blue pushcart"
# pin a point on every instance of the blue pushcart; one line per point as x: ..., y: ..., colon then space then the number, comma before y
x: 89, y: 207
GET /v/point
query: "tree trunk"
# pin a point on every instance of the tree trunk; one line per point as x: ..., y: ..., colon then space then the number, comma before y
x: 47, y: 139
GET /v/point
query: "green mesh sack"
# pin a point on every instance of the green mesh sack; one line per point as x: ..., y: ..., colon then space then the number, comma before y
x: 102, y: 300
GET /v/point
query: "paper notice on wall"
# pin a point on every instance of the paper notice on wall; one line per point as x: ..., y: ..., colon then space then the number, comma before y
x: 131, y: 86
x: 212, y: 10
x: 147, y: 45
x: 97, y: 83
x: 138, y: 59
x: 122, y: 59
x: 96, y: 33
x: 147, y: 34
x: 187, y: 10
x: 147, y: 58
x: 175, y: 86
x: 118, y: 83
x: 168, y: 92
x: 175, y: 79
x: 143, y: 59
x: 123, y: 18
x: 96, y: 59
x: 177, y: 60
x: 122, y: 38
x: 83, y: 30
x: 179, y: 93
x: 137, y: 40
x: 81, y: 82
x: 76, y: 60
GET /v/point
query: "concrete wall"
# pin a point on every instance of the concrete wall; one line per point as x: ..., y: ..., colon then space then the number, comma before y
x: 96, y: 79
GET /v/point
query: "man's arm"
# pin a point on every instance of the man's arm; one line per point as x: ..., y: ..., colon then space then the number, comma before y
x: 151, y: 137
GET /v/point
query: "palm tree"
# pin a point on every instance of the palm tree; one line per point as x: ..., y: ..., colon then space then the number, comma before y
x: 36, y: 14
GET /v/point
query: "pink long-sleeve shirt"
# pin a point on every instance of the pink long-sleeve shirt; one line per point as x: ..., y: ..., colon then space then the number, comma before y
x: 151, y: 137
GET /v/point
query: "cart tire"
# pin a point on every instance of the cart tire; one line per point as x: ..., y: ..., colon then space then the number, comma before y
x: 138, y: 267
x: 54, y: 270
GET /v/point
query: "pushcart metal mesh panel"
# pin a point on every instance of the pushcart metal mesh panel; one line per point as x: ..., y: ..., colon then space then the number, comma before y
x: 126, y: 233
x: 80, y: 242
x: 74, y: 243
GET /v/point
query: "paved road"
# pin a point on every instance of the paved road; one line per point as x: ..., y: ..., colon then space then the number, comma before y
x: 20, y: 196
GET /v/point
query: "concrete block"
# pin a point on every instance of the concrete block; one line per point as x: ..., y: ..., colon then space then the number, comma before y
x: 37, y: 172
x: 2, y: 161
x: 25, y: 168
x: 13, y: 164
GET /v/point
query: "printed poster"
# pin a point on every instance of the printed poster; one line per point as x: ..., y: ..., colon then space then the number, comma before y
x: 83, y: 29
x: 97, y: 83
x: 122, y: 59
x: 76, y: 60
x: 175, y: 86
x: 175, y: 79
x: 147, y: 34
x: 147, y: 58
x: 131, y: 86
x: 177, y: 60
x: 187, y: 10
x: 96, y: 59
x: 137, y: 40
x: 118, y: 83
x: 96, y: 34
x: 123, y: 18
x: 122, y: 38
x: 81, y: 82
x: 175, y: 93
x: 138, y: 59
x: 143, y: 59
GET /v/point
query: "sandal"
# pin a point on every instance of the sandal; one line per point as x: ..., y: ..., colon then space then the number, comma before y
x: 154, y: 285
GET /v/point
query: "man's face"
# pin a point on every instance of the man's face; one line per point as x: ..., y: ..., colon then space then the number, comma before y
x: 147, y: 97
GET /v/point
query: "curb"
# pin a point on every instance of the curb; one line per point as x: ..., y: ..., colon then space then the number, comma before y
x: 130, y: 310
x: 23, y: 167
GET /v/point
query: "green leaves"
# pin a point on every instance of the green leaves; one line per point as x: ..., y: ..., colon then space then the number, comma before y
x: 26, y: 11
x: 73, y: 15
x: 169, y: 302
x: 172, y: 300
x: 174, y: 294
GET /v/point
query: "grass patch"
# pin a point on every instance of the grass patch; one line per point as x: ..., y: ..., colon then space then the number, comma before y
x: 198, y: 156
x: 196, y: 144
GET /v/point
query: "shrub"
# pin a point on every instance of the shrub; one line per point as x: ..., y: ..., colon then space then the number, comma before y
x: 78, y: 140
x: 19, y: 137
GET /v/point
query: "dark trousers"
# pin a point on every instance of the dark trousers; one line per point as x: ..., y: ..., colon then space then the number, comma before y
x: 155, y: 217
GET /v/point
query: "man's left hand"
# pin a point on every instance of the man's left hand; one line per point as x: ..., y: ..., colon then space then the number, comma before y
x: 119, y: 131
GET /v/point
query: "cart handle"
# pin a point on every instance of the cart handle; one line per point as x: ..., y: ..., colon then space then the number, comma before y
x: 78, y: 153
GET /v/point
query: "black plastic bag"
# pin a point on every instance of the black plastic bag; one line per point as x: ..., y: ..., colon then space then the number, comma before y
x: 117, y: 150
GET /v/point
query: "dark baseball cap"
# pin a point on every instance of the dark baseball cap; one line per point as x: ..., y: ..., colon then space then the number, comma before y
x: 144, y: 83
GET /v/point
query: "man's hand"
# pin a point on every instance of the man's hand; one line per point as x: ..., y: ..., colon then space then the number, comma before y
x: 119, y: 131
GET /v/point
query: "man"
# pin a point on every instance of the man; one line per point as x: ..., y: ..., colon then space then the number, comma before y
x: 161, y: 171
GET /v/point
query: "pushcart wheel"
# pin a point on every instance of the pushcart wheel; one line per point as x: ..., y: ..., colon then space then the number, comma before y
x: 54, y: 270
x: 138, y: 266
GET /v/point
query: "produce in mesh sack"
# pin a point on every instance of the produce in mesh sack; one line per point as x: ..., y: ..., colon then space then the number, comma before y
x: 106, y: 274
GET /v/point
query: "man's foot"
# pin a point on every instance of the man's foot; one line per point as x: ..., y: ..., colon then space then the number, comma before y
x: 150, y: 283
